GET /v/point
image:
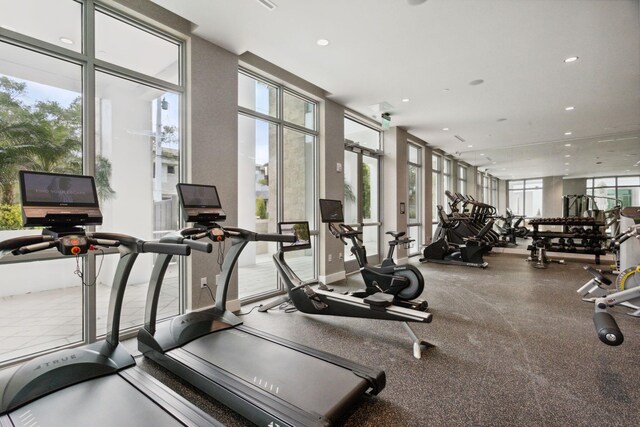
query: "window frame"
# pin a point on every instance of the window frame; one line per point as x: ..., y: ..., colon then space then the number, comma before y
x: 523, y: 190
x: 616, y: 187
x: 417, y: 224
x: 361, y: 151
x: 86, y: 59
x: 282, y: 124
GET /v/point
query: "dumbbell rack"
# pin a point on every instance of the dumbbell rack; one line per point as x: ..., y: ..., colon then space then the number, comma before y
x: 579, y: 235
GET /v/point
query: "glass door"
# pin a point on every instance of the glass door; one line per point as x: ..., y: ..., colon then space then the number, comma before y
x: 361, y: 203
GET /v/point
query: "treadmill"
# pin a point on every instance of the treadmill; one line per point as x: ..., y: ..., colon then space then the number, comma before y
x: 96, y: 384
x: 268, y: 380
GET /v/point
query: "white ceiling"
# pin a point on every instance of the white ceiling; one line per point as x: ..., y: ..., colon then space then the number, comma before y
x: 387, y: 50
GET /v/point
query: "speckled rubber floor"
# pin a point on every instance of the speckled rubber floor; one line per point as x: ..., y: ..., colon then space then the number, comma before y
x: 514, y: 346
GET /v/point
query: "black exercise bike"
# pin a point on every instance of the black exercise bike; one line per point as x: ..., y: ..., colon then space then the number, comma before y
x: 404, y: 282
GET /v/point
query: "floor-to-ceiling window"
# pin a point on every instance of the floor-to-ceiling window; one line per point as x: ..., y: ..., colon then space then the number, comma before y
x: 494, y: 192
x: 277, y: 133
x: 362, y: 186
x: 102, y: 95
x: 525, y: 197
x: 485, y: 189
x: 414, y: 208
x: 446, y: 177
x: 437, y: 197
x: 462, y: 179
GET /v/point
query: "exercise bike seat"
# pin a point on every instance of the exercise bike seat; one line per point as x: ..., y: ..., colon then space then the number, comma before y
x: 379, y: 300
x: 396, y: 234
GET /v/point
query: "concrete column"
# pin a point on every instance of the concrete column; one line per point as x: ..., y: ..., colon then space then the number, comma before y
x: 213, y: 147
x: 331, y: 152
x: 394, y: 187
x: 502, y: 197
x: 552, y: 188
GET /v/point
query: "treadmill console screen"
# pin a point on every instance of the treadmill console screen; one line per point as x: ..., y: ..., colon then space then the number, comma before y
x: 300, y: 229
x: 200, y: 203
x: 50, y: 199
x: 331, y: 210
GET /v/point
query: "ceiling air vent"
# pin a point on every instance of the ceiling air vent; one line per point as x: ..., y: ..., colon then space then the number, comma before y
x: 459, y: 138
x: 268, y: 4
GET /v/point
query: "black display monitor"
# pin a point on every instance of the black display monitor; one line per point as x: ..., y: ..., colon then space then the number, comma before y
x: 200, y: 203
x: 331, y: 210
x: 54, y: 199
x: 300, y: 229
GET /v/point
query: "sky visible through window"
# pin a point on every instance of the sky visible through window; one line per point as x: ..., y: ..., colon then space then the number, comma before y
x: 262, y: 127
x: 35, y: 92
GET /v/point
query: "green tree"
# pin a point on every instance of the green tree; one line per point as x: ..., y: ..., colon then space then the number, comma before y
x: 103, y: 178
x: 366, y: 191
x: 45, y: 136
x: 348, y: 192
x: 10, y: 217
x: 15, y: 134
x: 261, y: 208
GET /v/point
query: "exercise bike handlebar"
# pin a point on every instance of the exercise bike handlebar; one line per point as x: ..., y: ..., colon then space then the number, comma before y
x: 345, y: 231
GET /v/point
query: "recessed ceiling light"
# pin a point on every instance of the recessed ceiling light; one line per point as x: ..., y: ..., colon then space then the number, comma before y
x: 322, y: 42
x: 482, y: 154
x: 405, y: 100
x: 469, y: 145
x: 65, y: 40
x: 569, y: 108
x: 628, y: 170
x: 567, y: 145
x: 495, y: 163
x: 476, y: 82
x: 445, y: 128
x: 566, y: 164
x: 567, y: 155
x: 446, y: 89
x: 568, y: 133
x: 571, y: 59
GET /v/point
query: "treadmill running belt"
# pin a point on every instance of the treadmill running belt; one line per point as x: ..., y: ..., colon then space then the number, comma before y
x: 304, y: 381
x: 102, y: 402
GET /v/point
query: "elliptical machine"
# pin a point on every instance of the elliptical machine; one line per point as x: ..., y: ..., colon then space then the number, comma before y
x: 469, y: 254
x: 404, y: 282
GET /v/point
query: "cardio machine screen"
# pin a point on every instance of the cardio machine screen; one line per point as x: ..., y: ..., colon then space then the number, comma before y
x: 300, y: 229
x: 199, y: 196
x: 49, y: 189
x: 331, y: 210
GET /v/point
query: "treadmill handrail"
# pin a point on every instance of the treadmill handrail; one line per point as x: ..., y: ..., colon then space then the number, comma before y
x: 49, y: 373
